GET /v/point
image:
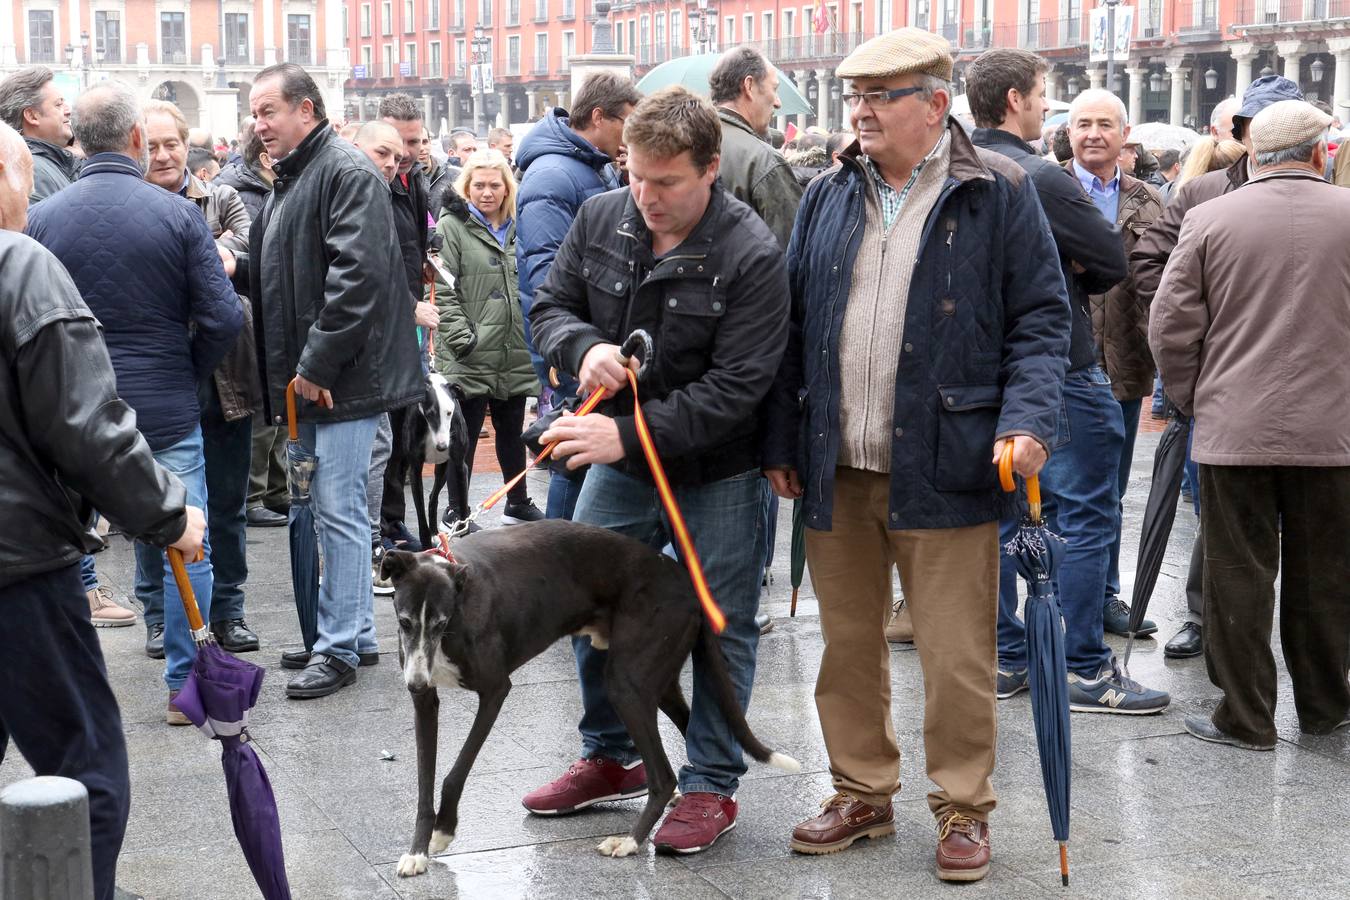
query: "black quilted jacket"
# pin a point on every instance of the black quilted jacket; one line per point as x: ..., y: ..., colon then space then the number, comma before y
x: 986, y: 340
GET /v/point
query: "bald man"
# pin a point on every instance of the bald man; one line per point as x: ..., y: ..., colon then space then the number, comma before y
x: 16, y: 180
x: 382, y: 143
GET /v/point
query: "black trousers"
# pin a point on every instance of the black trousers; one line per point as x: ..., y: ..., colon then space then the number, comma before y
x: 1259, y: 521
x: 508, y: 420
x: 58, y: 708
x: 394, y: 505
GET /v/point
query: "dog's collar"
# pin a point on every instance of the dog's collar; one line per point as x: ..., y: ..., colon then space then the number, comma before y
x: 443, y: 550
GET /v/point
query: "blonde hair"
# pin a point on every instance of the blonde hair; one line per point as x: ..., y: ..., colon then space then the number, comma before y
x: 1209, y: 155
x: 490, y: 159
x: 173, y: 112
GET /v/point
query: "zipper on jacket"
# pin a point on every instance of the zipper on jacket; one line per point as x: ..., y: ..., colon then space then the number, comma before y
x: 825, y: 353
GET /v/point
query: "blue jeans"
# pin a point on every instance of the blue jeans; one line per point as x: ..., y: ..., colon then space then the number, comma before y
x: 228, y: 448
x: 725, y: 524
x: 88, y: 577
x: 1082, y: 505
x: 338, y: 498
x: 1130, y: 410
x: 563, y: 491
x: 155, y: 586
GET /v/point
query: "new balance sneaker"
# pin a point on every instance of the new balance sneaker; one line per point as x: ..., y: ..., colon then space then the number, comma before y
x: 1010, y: 684
x: 1112, y: 692
x: 382, y: 586
x: 519, y: 513
x: 696, y: 822
x: 586, y: 783
x: 1116, y: 619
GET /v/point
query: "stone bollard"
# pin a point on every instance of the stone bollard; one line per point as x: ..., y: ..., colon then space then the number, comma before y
x: 44, y: 841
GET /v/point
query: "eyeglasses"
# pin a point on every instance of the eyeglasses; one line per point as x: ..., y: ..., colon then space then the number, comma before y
x: 878, y: 99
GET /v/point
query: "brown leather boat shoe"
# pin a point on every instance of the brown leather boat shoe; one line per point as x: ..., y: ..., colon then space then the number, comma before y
x: 843, y: 821
x: 963, y: 848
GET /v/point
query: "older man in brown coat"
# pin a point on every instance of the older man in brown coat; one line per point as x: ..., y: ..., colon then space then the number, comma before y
x: 1249, y: 329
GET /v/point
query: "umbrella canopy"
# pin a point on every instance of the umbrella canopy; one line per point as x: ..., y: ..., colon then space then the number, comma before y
x: 961, y: 107
x: 219, y: 691
x: 798, y: 551
x: 1037, y: 552
x: 1160, y: 512
x: 1161, y: 136
x: 303, y: 533
x: 692, y: 72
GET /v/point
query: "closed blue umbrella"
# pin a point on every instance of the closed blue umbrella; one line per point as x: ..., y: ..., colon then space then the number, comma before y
x: 302, y: 533
x: 1037, y: 552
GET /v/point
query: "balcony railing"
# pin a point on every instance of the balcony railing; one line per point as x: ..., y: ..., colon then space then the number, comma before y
x: 1148, y: 25
x: 950, y: 31
x: 1199, y: 17
x: 1047, y: 34
x: 541, y: 66
x: 1280, y: 12
x: 174, y: 57
x: 434, y: 71
x: 654, y: 55
x: 811, y: 48
x: 569, y: 11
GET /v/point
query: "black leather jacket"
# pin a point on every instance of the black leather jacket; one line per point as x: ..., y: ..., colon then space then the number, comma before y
x: 68, y: 444
x: 325, y: 275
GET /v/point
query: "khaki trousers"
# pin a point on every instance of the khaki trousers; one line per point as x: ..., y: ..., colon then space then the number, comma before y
x: 950, y: 580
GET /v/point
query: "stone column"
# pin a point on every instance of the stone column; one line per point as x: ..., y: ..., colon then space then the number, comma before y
x: 1341, y: 97
x: 803, y: 76
x: 823, y: 98
x: 1291, y: 58
x: 1138, y: 78
x: 1051, y: 84
x: 1096, y: 77
x: 531, y: 104
x: 1243, y: 54
x: 8, y: 56
x: 1176, y: 110
x: 270, y: 34
x: 220, y: 113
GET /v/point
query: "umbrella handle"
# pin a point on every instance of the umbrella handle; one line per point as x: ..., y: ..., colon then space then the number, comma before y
x: 292, y: 417
x: 180, y: 577
x: 1005, y: 479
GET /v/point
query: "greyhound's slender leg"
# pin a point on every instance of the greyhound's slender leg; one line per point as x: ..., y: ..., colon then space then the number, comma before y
x: 639, y: 717
x: 489, y: 705
x: 674, y: 706
x: 415, y: 479
x: 426, y: 712
x: 437, y: 482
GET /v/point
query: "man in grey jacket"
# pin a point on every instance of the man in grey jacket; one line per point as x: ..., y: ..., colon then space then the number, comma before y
x: 31, y: 104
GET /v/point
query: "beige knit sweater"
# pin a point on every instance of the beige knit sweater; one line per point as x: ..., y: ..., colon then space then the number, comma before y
x: 874, y: 319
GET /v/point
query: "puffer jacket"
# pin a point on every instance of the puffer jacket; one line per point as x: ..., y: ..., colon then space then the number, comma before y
x: 236, y: 378
x: 480, y: 341
x: 68, y: 443
x: 986, y: 340
x: 324, y: 273
x: 439, y: 184
x: 560, y: 170
x: 757, y: 175
x: 253, y: 190
x: 1119, y: 318
x: 53, y: 169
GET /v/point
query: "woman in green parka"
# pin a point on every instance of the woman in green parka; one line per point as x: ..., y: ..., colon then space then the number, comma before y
x: 480, y: 341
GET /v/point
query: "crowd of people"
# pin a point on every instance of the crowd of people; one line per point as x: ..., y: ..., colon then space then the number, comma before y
x: 860, y: 322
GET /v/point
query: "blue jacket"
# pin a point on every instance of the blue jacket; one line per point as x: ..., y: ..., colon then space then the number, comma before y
x: 561, y: 169
x: 144, y: 262
x: 986, y: 340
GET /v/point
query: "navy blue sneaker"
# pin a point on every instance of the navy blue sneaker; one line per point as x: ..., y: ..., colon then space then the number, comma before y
x: 401, y: 537
x: 1116, y: 619
x: 1112, y: 692
x: 1010, y: 684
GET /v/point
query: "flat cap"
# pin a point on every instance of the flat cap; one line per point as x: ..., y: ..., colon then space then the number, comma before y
x: 899, y: 52
x: 1287, y: 124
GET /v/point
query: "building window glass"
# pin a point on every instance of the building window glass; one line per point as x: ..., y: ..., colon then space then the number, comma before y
x: 172, y: 38
x: 298, y: 39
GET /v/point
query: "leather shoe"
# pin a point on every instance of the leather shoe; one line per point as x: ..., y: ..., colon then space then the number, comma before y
x: 262, y: 517
x: 233, y: 635
x: 154, y: 641
x: 844, y: 821
x: 763, y: 622
x: 1116, y: 619
x: 1186, y: 643
x: 323, y: 675
x: 173, y: 715
x: 963, y: 848
x: 298, y: 659
x: 1204, y: 728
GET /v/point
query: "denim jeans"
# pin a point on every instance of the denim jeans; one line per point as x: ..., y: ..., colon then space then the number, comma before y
x: 563, y: 491
x: 379, y: 459
x: 1082, y: 505
x: 725, y: 524
x: 88, y: 576
x: 1130, y: 410
x: 227, y: 447
x: 155, y: 586
x: 338, y: 499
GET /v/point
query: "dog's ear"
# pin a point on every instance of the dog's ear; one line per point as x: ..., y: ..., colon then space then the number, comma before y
x: 459, y: 574
x: 397, y: 563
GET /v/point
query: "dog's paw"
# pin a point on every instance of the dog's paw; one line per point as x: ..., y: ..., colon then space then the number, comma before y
x: 410, y: 864
x: 619, y: 845
x: 439, y: 841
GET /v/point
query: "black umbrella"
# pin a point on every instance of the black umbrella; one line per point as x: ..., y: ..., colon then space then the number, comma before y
x: 1160, y: 512
x: 1037, y: 552
x: 302, y: 531
x: 798, y: 562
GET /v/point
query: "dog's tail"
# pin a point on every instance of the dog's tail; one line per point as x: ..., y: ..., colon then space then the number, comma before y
x: 731, y: 707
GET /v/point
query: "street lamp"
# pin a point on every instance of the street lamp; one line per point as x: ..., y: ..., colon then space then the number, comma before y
x: 1074, y: 85
x: 704, y: 26
x: 1317, y: 69
x: 1211, y: 79
x: 1155, y: 82
x: 480, y: 51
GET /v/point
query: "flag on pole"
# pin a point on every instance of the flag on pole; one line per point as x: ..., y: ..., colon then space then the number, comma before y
x: 790, y: 134
x: 821, y: 19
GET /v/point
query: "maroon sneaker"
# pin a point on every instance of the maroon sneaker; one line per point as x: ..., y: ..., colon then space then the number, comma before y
x: 588, y: 782
x: 696, y: 822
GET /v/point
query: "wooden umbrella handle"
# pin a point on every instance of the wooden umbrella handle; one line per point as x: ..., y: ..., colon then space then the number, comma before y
x: 292, y: 417
x: 1005, y: 479
x: 180, y: 577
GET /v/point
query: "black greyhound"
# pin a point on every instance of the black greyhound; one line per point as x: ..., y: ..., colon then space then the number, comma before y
x: 511, y: 592
x: 434, y: 431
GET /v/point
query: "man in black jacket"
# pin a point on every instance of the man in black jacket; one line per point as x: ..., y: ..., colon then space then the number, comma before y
x: 67, y: 443
x: 322, y: 272
x: 1007, y: 100
x: 661, y: 256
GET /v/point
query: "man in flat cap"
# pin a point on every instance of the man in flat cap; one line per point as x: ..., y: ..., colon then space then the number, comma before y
x: 1249, y: 329
x: 930, y: 328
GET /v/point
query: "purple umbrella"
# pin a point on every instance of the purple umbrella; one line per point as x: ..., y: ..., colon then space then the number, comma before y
x: 218, y: 693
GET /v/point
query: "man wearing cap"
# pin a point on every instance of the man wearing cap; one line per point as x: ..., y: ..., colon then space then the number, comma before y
x: 930, y: 327
x: 1147, y: 261
x: 1249, y: 314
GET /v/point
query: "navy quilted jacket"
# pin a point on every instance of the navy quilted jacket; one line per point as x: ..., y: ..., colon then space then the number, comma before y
x: 144, y: 262
x: 986, y: 340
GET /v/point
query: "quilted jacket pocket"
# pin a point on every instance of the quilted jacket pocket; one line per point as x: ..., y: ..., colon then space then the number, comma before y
x: 967, y: 421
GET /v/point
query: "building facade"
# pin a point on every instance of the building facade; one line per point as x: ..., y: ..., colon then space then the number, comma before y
x: 199, y: 54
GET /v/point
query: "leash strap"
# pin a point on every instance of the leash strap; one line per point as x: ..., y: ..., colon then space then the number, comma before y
x: 716, y: 617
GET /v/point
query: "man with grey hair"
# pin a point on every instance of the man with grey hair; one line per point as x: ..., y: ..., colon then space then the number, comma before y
x: 1249, y: 319
x: 32, y: 105
x: 146, y: 264
x: 744, y: 88
x: 1221, y: 120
